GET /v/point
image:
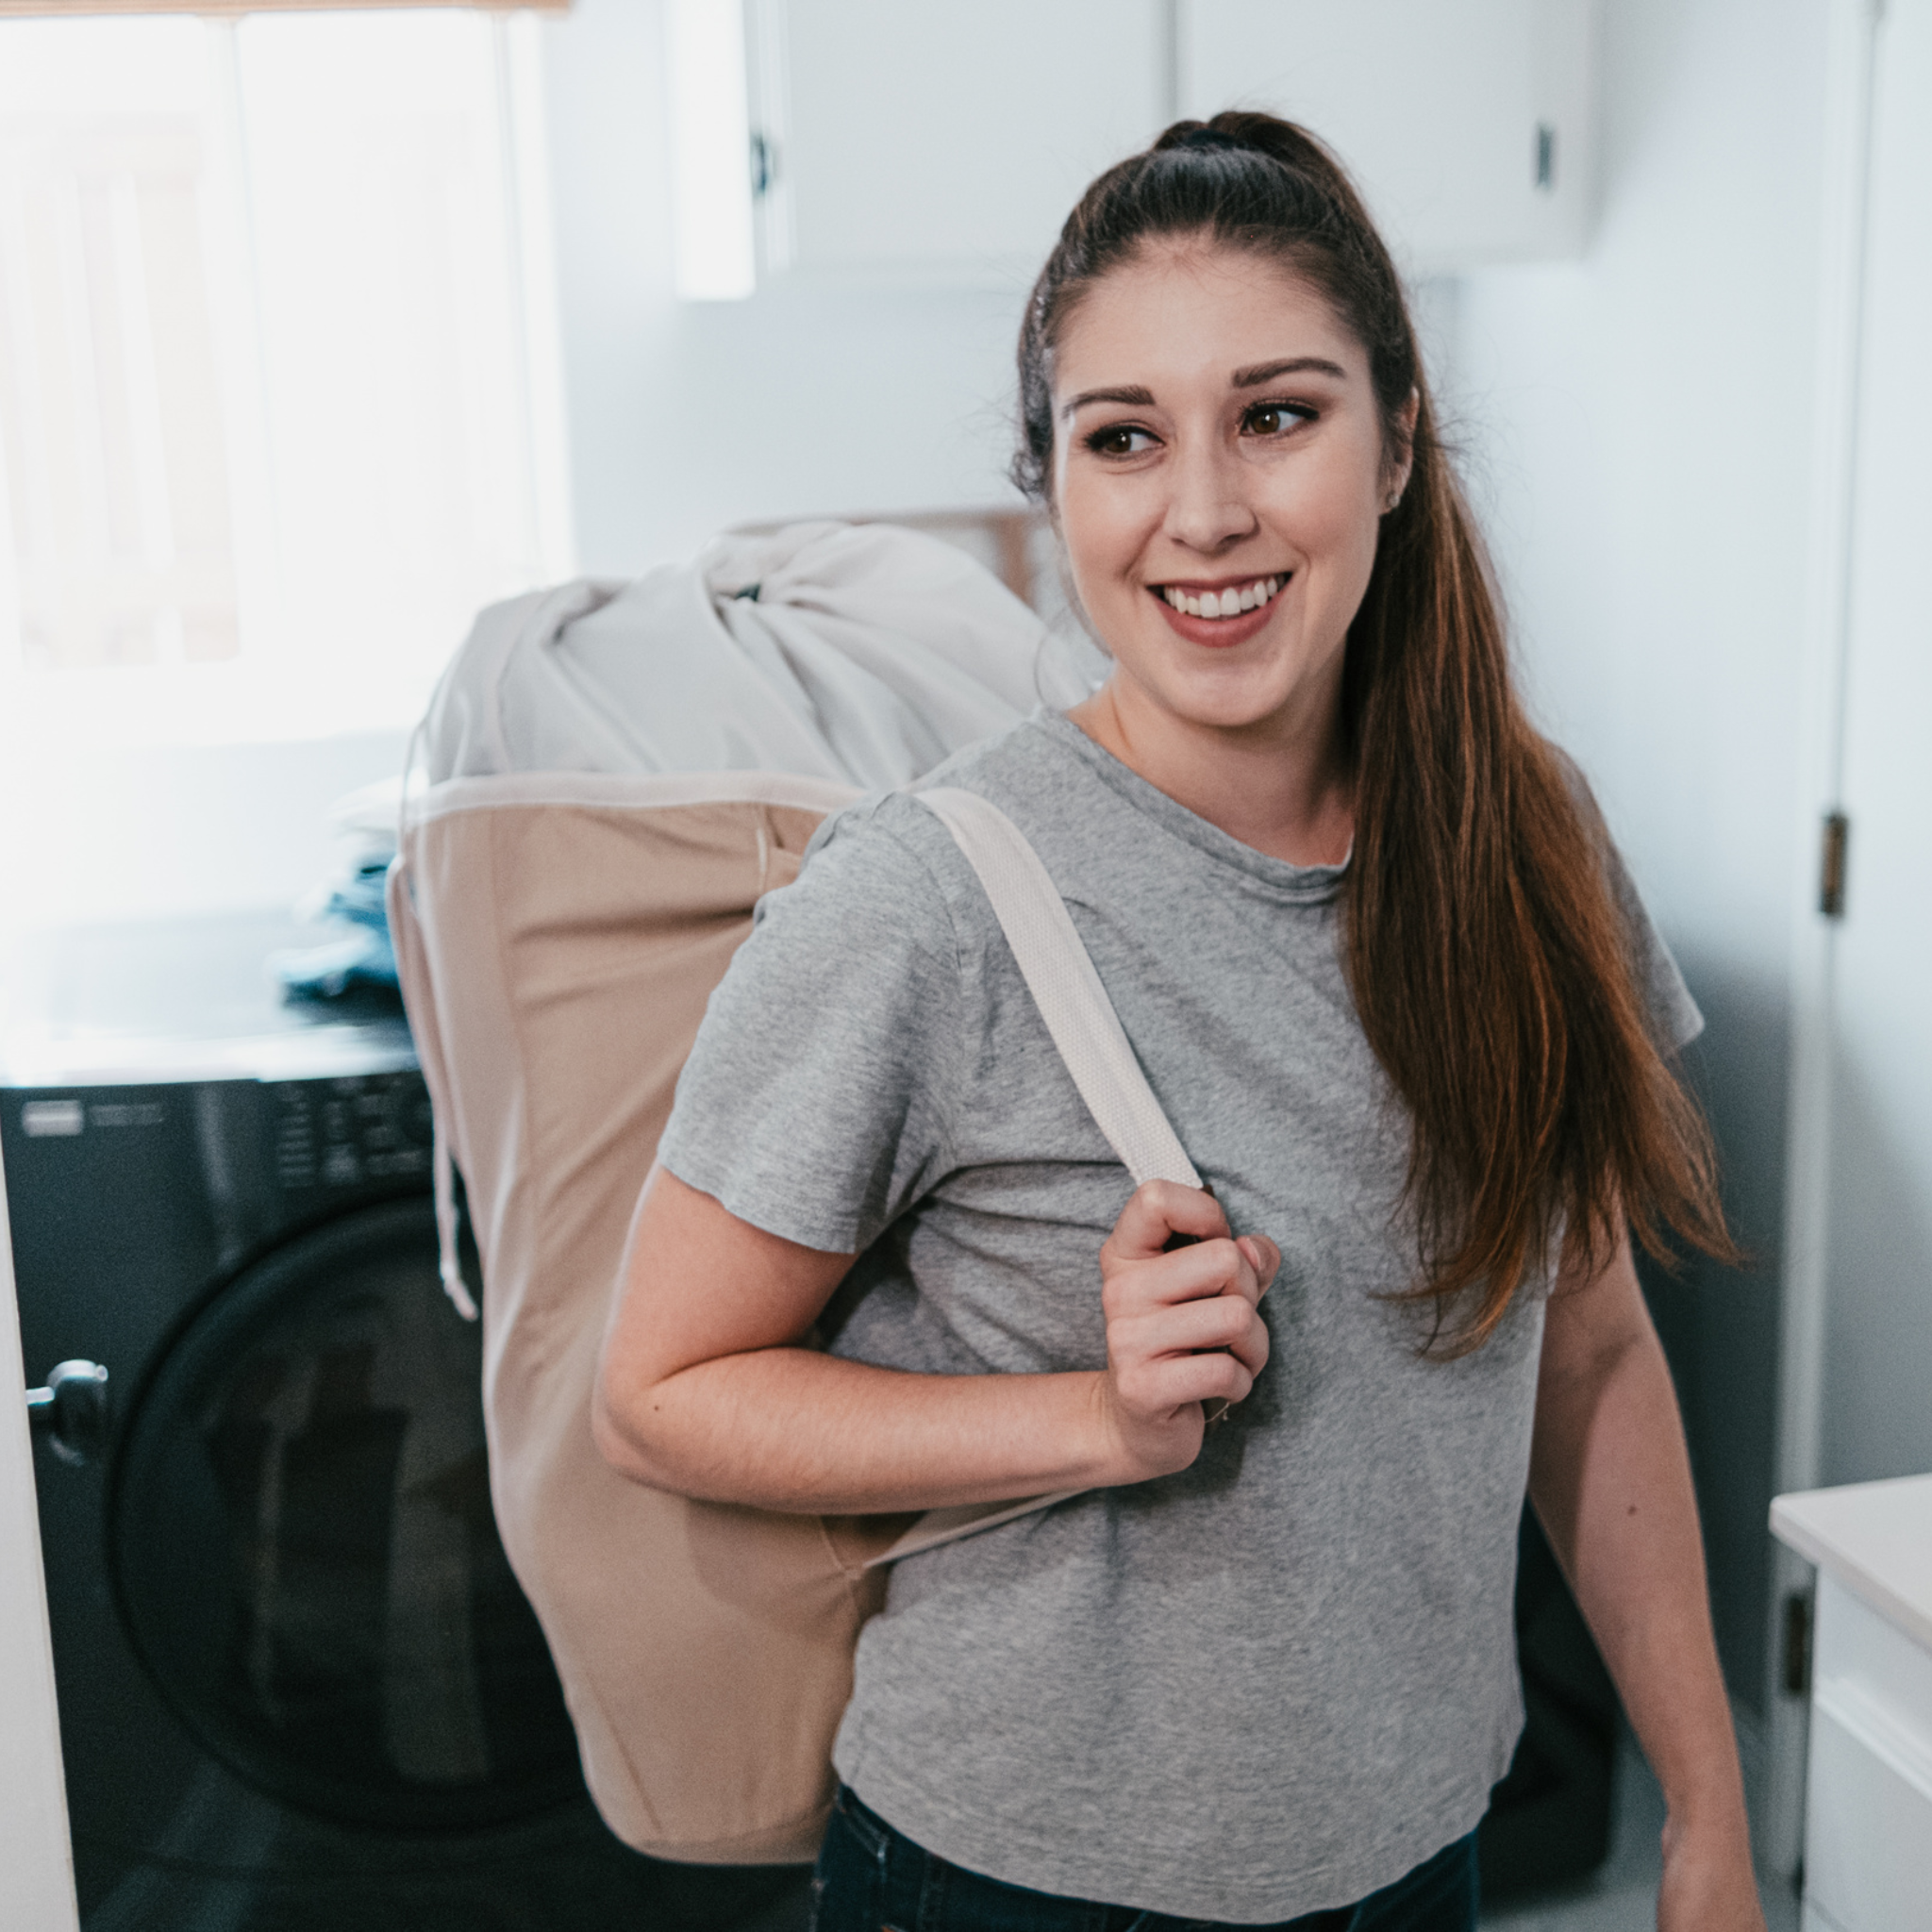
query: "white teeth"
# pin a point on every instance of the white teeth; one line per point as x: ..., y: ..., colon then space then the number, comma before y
x: 1224, y: 603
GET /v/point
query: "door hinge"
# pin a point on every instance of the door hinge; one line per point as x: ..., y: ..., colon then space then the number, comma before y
x: 1795, y: 1667
x: 1831, y: 868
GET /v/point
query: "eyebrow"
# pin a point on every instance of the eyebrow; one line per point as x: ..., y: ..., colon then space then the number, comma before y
x: 1290, y: 365
x: 1135, y: 396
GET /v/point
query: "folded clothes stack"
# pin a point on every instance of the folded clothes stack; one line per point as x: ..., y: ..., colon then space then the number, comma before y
x: 358, y: 959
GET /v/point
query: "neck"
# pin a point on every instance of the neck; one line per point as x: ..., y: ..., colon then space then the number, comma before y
x: 1280, y: 785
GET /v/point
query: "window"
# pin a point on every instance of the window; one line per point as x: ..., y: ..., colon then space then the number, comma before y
x: 279, y: 402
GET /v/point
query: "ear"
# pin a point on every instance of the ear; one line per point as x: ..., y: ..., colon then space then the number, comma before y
x: 1397, y: 479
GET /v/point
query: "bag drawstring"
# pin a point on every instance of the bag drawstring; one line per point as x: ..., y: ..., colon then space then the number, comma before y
x: 449, y: 1260
x: 449, y: 1263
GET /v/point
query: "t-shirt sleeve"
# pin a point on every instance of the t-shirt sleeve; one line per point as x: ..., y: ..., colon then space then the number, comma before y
x: 1674, y: 1018
x: 814, y: 1103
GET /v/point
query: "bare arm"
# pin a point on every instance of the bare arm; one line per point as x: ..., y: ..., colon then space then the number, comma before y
x: 707, y: 1388
x: 1611, y: 1479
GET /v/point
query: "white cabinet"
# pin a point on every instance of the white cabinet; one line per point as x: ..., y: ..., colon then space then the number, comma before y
x: 1867, y: 1812
x: 912, y: 141
x: 1468, y: 126
x: 921, y: 142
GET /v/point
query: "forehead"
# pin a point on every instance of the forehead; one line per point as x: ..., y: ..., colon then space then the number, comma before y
x: 1188, y: 313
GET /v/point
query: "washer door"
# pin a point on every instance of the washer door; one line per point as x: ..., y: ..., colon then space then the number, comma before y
x: 302, y: 1547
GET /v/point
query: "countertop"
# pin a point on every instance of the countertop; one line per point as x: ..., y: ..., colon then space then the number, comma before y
x: 153, y: 1002
x: 1875, y: 1539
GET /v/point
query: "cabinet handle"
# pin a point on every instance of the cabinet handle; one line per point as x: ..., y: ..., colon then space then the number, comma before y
x: 764, y: 165
x: 73, y: 1411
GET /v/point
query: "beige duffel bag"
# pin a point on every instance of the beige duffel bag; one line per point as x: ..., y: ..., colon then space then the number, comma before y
x: 558, y: 937
x: 559, y: 932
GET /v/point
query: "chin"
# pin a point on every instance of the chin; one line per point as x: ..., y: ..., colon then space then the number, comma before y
x: 1224, y: 703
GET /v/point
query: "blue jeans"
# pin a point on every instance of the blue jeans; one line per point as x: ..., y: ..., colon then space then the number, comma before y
x: 871, y: 1878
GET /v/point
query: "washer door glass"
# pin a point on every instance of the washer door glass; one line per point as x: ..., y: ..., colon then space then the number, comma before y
x: 302, y: 1545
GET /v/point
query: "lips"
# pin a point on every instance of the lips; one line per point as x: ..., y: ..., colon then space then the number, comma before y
x: 1231, y: 600
x: 1240, y: 609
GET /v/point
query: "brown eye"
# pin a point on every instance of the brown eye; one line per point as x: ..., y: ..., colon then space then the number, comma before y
x: 1274, y: 419
x: 1120, y: 439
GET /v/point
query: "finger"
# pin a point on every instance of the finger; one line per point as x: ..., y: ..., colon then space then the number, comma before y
x: 1160, y: 1209
x: 1195, y: 1274
x: 1254, y: 1344
x: 1263, y: 1257
x: 1224, y: 1321
x: 1157, y: 1389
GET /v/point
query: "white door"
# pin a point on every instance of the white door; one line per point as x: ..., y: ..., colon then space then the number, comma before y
x: 1856, y: 1342
x: 38, y: 1885
x: 1876, y: 1416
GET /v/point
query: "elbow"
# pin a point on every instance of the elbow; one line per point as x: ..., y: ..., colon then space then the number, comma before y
x: 622, y: 1441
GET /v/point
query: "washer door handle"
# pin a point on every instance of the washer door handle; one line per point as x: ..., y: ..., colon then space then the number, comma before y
x: 73, y: 1411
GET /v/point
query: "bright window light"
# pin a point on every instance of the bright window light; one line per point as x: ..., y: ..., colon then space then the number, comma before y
x: 279, y: 407
x: 710, y: 133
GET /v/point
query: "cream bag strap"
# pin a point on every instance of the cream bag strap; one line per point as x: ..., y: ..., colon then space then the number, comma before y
x: 1087, y: 1031
x: 1065, y: 988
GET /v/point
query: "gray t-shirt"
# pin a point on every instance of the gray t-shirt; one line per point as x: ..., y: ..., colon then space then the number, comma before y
x: 1276, y: 1681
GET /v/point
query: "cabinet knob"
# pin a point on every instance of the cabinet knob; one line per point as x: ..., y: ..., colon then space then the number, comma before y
x: 73, y: 1413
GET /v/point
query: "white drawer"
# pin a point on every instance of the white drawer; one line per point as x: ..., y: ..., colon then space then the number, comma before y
x: 1868, y: 1830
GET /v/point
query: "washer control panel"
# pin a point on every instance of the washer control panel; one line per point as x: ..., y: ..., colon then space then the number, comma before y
x: 348, y: 1132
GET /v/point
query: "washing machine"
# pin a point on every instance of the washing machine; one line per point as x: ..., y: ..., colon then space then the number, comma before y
x: 299, y: 1687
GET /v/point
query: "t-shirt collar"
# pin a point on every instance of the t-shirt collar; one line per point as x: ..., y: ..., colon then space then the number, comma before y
x: 1305, y: 884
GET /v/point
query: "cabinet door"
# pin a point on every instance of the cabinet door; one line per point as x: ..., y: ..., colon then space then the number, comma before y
x: 1466, y: 125
x: 941, y: 143
x: 1868, y: 1838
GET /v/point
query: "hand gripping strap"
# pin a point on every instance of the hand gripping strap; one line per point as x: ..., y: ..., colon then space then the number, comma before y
x: 1065, y: 988
x: 1085, y: 1028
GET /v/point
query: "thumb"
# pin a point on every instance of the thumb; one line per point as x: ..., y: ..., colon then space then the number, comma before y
x: 1263, y: 1257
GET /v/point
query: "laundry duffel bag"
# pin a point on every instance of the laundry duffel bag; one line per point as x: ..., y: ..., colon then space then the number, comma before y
x: 557, y: 933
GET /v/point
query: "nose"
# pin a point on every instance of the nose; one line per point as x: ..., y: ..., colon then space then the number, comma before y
x: 1208, y: 508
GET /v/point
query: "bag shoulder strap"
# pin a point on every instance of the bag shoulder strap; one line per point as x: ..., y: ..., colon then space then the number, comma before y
x: 1060, y: 976
x: 1087, y: 1031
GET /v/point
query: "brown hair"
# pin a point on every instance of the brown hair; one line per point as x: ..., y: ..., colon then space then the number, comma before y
x: 1490, y: 962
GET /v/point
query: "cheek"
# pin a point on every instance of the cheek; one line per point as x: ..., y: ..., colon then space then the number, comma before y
x: 1102, y: 535
x: 1329, y: 514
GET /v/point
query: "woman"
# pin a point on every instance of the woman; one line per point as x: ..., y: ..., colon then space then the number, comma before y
x: 1392, y: 985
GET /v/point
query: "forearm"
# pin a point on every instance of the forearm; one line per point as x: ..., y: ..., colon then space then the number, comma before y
x: 792, y: 1429
x: 1611, y: 1483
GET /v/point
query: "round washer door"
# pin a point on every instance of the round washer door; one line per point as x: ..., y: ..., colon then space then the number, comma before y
x: 301, y: 1547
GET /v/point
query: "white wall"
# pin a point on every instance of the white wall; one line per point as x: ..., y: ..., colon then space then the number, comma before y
x: 1639, y: 426
x: 687, y: 417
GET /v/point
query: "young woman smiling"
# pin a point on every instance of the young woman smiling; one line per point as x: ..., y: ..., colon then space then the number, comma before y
x: 1390, y: 981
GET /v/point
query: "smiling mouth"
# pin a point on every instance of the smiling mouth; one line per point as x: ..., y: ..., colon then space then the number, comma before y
x: 1237, y: 600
